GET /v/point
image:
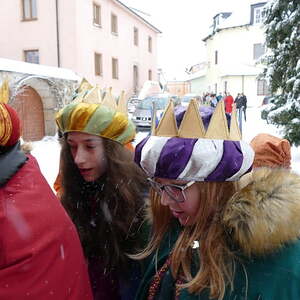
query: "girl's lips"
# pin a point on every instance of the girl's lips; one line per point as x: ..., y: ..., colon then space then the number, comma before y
x: 84, y: 171
x: 176, y: 214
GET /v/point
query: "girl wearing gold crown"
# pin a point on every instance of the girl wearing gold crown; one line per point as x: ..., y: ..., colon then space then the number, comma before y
x: 102, y: 190
x: 212, y: 239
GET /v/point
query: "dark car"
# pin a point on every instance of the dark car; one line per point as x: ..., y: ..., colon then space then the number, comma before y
x: 266, y: 100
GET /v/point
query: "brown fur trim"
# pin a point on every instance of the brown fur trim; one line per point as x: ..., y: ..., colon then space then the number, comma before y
x: 265, y: 214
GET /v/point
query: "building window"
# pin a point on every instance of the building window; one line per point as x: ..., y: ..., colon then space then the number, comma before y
x: 114, y: 24
x: 216, y: 88
x: 135, y: 36
x: 258, y: 50
x: 29, y: 10
x: 258, y: 15
x: 216, y: 57
x: 32, y: 56
x: 98, y: 64
x: 262, y: 88
x: 225, y: 86
x: 115, y: 68
x: 135, y: 78
x: 97, y: 14
x: 149, y: 43
x: 149, y: 74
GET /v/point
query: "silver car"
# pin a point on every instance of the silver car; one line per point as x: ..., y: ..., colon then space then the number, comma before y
x: 142, y: 116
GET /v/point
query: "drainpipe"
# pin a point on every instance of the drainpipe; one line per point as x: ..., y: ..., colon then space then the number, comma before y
x: 243, y: 83
x: 57, y: 34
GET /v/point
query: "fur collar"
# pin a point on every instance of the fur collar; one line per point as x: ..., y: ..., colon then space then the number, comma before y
x: 265, y: 213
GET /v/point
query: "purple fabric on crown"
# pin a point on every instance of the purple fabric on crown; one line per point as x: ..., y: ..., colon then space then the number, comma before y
x: 174, y: 157
x: 205, y: 113
x: 230, y: 163
x: 138, y: 150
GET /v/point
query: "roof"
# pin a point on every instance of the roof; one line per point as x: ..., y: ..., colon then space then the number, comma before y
x: 240, y: 70
x: 138, y: 16
x: 10, y: 65
x: 239, y: 17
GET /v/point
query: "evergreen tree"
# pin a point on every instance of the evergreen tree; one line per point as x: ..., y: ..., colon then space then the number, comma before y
x: 283, y: 66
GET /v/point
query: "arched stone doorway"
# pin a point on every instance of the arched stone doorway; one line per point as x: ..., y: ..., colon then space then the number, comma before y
x: 29, y: 106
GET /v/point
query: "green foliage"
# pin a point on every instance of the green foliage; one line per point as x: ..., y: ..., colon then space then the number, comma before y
x: 283, y: 66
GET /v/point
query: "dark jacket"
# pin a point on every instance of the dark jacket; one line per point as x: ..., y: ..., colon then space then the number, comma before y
x: 241, y: 102
x: 264, y: 220
x: 40, y: 252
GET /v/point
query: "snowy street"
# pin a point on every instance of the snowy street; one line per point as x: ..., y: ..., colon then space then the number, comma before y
x: 47, y: 150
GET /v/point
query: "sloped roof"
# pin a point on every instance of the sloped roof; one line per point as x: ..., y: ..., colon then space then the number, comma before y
x: 138, y: 16
x: 237, y: 18
x: 36, y: 69
x: 240, y: 70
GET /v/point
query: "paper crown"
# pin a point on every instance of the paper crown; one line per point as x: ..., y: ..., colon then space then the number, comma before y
x: 192, y: 125
x: 193, y: 150
x: 88, y: 94
x: 90, y: 114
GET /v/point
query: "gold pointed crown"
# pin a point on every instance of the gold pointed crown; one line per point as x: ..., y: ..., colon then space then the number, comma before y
x: 89, y: 94
x: 4, y: 91
x: 192, y: 125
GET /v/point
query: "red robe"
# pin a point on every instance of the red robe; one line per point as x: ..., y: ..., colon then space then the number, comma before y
x: 228, y: 103
x: 40, y: 252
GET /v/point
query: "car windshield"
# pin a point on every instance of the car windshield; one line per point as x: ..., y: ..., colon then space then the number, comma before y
x: 188, y: 98
x: 160, y: 103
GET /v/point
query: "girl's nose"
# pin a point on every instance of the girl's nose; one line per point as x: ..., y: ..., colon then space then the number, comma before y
x: 165, y: 199
x: 79, y: 156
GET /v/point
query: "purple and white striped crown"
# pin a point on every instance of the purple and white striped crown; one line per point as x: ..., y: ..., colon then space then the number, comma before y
x: 202, y: 149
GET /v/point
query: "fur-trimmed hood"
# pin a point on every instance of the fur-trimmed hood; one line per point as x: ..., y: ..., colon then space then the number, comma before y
x: 265, y: 213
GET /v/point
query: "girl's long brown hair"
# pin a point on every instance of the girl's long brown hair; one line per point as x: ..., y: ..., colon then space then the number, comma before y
x: 107, y: 214
x: 214, y: 257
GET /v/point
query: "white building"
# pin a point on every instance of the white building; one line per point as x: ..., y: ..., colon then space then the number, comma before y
x: 235, y: 44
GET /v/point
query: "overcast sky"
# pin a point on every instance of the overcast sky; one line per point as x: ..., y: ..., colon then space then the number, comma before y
x: 184, y: 23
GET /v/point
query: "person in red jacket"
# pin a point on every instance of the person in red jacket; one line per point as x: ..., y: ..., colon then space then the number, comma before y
x: 40, y: 253
x: 228, y: 100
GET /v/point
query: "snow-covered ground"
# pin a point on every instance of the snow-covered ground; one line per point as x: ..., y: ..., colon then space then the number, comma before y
x: 47, y: 150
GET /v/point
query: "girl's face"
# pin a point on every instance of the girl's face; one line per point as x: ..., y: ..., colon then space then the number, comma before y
x: 88, y: 154
x: 185, y: 211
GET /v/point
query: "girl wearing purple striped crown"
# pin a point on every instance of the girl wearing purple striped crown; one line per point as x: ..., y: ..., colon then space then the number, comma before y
x: 212, y: 239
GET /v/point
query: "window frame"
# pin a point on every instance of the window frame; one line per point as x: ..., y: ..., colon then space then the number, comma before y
x: 256, y: 49
x: 97, y: 9
x: 262, y: 88
x: 135, y: 36
x: 98, y: 64
x: 115, y: 68
x: 25, y: 52
x: 31, y: 17
x: 150, y: 44
x: 216, y: 57
x: 150, y: 74
x: 114, y: 24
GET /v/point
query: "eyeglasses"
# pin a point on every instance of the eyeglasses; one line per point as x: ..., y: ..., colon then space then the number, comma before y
x: 174, y: 191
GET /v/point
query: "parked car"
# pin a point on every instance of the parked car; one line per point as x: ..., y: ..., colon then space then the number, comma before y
x: 185, y: 100
x: 142, y: 116
x: 132, y: 103
x: 266, y: 100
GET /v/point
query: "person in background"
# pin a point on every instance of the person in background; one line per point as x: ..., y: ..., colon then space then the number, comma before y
x: 41, y: 256
x: 244, y: 105
x: 103, y: 190
x: 219, y: 97
x: 228, y: 100
x: 213, y: 100
x: 211, y: 238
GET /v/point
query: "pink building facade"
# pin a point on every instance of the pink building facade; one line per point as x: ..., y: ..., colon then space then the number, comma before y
x: 101, y: 40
